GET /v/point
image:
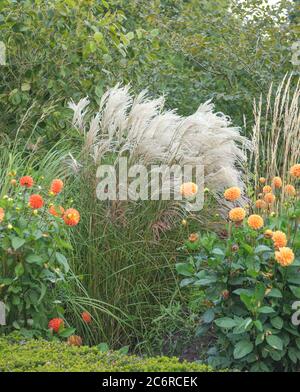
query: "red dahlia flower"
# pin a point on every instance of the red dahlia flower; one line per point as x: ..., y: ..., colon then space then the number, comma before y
x: 55, y: 324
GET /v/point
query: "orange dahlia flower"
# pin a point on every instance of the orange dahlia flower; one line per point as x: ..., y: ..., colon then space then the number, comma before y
x: 295, y: 170
x: 56, y: 210
x: 188, y: 189
x: 74, y: 340
x: 2, y: 214
x: 193, y: 237
x: 279, y: 239
x: 284, y: 256
x: 262, y: 180
x: 56, y: 186
x: 86, y: 317
x: 269, y: 198
x: 261, y: 204
x: 26, y: 181
x: 237, y: 214
x: 55, y: 324
x: 232, y: 194
x: 267, y: 189
x: 290, y: 190
x: 36, y: 201
x: 268, y: 233
x: 255, y: 222
x: 71, y: 217
x: 277, y: 182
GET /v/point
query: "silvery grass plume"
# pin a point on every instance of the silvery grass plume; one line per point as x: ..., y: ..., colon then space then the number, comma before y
x: 141, y: 129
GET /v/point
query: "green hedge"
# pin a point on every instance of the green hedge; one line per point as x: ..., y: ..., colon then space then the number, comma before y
x: 17, y: 355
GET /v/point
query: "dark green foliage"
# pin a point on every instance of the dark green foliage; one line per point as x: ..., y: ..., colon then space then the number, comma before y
x: 190, y: 50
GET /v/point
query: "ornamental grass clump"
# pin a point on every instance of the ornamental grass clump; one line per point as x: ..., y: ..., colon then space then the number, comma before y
x: 34, y: 242
x: 125, y: 249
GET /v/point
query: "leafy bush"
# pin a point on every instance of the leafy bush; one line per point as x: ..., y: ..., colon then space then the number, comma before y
x: 189, y: 51
x: 250, y: 282
x: 33, y: 242
x: 19, y: 355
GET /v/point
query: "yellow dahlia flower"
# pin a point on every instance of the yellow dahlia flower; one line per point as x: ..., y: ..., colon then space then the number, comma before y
x: 290, y: 190
x: 255, y: 222
x: 188, y: 189
x: 267, y: 189
x: 295, y: 170
x: 279, y: 239
x: 284, y: 256
x: 237, y: 214
x: 261, y: 204
x: 269, y: 198
x: 232, y: 193
x: 277, y: 182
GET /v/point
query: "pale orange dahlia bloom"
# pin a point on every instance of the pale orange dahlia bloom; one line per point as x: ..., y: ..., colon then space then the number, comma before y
x: 255, y: 222
x: 188, y: 189
x: 232, y: 194
x: 269, y: 198
x: 279, y: 239
x: 290, y: 190
x: 277, y: 182
x: 295, y: 170
x: 2, y: 214
x: 237, y: 214
x: 284, y: 256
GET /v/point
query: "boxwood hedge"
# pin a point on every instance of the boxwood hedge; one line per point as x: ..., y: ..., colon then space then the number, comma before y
x: 26, y: 355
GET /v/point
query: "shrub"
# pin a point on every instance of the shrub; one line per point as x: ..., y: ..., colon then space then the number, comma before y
x: 19, y: 355
x: 251, y: 285
x: 33, y: 242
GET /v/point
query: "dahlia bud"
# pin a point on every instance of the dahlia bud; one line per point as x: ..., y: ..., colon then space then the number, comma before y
x: 268, y: 233
x: 193, y: 237
x: 262, y: 180
x: 225, y: 294
x: 235, y: 248
x: 184, y: 222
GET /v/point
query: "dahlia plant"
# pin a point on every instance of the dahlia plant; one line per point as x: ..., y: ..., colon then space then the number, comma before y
x: 33, y: 232
x: 251, y: 281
